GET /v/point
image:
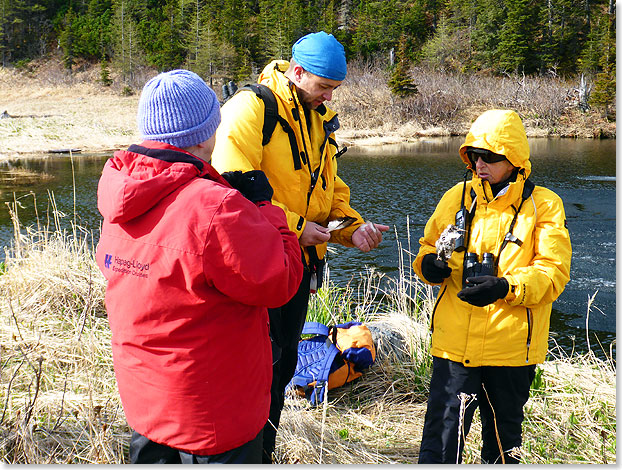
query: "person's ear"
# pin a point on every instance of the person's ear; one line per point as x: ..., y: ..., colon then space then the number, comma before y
x: 298, y: 73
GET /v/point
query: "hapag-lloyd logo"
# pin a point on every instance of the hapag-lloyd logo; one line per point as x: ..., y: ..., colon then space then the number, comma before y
x: 120, y: 265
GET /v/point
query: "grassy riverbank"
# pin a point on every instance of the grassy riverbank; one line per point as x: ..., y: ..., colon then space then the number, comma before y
x: 60, y: 403
x: 51, y: 109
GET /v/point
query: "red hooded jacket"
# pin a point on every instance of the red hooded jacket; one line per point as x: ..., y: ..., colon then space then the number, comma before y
x: 191, y: 266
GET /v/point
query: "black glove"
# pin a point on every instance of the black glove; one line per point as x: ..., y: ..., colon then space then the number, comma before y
x: 253, y: 184
x: 484, y: 290
x: 433, y: 269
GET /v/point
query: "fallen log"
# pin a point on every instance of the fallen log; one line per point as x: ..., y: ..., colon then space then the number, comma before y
x: 65, y: 151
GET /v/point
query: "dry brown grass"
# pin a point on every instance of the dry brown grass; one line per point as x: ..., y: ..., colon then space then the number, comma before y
x: 447, y: 104
x: 59, y: 398
x: 59, y: 401
x: 53, y: 109
x: 50, y: 114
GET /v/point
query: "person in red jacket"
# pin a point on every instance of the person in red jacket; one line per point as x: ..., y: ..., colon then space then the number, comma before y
x: 192, y: 266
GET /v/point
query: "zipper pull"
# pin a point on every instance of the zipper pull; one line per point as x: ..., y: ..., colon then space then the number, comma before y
x: 341, y: 152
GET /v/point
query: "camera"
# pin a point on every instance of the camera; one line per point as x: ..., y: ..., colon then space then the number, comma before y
x: 461, y: 219
x: 473, y: 268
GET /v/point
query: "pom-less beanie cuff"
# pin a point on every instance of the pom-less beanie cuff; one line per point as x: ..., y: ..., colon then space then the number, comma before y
x: 188, y: 137
x: 321, y: 54
x: 178, y: 108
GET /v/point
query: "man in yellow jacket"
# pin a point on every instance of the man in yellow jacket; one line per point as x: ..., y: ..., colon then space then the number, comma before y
x: 300, y: 161
x: 490, y: 322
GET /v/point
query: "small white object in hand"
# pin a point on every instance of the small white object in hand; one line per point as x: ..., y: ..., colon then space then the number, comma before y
x: 446, y: 243
x: 371, y: 224
x: 338, y: 224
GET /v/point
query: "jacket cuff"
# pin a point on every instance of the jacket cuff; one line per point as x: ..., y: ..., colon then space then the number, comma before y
x: 301, y: 223
x: 514, y: 292
x: 423, y: 250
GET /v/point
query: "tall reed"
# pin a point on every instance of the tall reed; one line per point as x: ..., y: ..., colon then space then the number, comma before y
x: 59, y: 397
x: 59, y: 401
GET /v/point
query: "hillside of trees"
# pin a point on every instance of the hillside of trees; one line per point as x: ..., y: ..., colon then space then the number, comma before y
x: 233, y: 39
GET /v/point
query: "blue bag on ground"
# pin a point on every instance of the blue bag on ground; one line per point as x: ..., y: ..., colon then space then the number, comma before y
x: 334, y: 356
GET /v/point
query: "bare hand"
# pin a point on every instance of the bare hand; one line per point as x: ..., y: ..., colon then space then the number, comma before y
x: 313, y: 234
x: 368, y: 236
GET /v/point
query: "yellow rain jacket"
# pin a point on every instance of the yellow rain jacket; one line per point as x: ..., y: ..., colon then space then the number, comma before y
x: 239, y: 147
x: 512, y: 331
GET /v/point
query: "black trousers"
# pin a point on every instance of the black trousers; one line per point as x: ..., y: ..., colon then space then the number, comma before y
x: 143, y: 450
x: 500, y: 393
x: 286, y: 325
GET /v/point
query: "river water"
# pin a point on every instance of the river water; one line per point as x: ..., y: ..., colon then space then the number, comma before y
x: 400, y: 186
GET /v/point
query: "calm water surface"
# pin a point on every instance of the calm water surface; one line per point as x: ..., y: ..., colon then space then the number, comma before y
x: 396, y: 184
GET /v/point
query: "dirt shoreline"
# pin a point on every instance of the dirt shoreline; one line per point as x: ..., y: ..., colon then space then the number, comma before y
x: 37, y: 117
x: 14, y: 146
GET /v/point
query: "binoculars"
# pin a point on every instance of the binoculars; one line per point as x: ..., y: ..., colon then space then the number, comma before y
x: 228, y: 90
x: 473, y: 268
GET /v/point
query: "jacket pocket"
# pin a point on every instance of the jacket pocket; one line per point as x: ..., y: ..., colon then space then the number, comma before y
x: 529, y: 331
x: 438, y: 300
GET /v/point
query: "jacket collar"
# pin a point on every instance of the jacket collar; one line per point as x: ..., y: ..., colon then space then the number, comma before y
x: 166, y: 153
x: 506, y: 196
x: 171, y: 154
x: 273, y: 76
x: 133, y: 181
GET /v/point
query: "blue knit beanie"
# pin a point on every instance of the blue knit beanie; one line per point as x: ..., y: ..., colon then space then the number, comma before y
x: 322, y: 55
x: 178, y: 108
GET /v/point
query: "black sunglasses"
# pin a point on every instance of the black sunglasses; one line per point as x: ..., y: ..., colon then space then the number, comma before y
x: 486, y: 155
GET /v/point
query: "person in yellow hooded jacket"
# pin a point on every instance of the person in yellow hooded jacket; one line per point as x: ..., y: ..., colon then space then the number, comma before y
x: 300, y: 161
x: 490, y: 321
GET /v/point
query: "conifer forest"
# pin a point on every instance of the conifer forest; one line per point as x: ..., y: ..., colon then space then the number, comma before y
x: 232, y: 39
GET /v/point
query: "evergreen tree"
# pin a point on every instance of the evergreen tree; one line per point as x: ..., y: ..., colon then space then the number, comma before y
x: 517, y: 37
x: 5, y: 18
x: 67, y: 38
x: 490, y: 16
x: 449, y: 48
x: 215, y: 59
x: 234, y: 28
x: 566, y: 36
x: 566, y: 30
x: 326, y: 16
x: 401, y: 82
x: 279, y: 26
x: 193, y: 14
x: 160, y: 33
x: 87, y: 34
x: 376, y: 23
x: 604, y: 93
x: 24, y: 29
x: 596, y: 43
x: 127, y: 54
x: 104, y: 75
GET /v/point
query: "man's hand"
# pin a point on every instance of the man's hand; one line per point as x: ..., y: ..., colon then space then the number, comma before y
x: 313, y: 234
x: 368, y: 236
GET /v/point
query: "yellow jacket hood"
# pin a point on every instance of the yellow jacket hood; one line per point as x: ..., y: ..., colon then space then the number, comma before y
x: 529, y: 239
x: 502, y: 132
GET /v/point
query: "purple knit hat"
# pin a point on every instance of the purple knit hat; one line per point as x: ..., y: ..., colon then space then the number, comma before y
x: 178, y: 108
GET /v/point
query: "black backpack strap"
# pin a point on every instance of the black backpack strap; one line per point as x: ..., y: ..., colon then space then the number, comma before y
x: 271, y: 109
x: 271, y: 117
